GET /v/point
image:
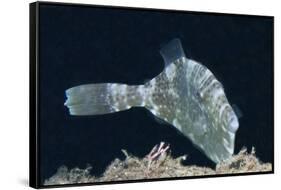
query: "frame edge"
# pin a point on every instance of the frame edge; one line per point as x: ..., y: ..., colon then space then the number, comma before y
x: 33, y: 88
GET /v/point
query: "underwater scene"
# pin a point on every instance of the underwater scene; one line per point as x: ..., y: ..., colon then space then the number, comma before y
x: 134, y: 94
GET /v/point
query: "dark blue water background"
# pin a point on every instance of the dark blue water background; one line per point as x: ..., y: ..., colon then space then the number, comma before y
x: 81, y: 45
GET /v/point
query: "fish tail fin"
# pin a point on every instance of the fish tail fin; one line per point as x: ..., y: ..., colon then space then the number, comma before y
x: 103, y: 98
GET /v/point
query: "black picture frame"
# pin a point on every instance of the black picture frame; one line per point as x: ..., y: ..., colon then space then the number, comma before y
x: 35, y: 97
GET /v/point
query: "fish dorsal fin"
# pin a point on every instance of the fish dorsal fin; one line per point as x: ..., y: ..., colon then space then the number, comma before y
x: 172, y: 51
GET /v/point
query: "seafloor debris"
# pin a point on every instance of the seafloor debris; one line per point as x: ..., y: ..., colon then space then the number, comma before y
x: 159, y: 164
x: 243, y: 162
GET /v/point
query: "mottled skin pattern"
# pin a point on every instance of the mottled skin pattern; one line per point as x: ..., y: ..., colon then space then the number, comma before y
x: 186, y: 95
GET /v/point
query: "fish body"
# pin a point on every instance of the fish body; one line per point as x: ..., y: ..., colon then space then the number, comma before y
x: 185, y: 94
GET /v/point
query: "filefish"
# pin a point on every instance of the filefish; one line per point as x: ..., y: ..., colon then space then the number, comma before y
x: 185, y: 94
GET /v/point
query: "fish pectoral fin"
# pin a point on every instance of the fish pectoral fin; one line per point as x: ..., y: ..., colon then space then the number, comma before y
x: 172, y: 51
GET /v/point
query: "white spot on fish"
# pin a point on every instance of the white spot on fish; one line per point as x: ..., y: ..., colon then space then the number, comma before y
x: 177, y: 124
x: 173, y: 93
x: 182, y: 59
x: 152, y: 103
x: 154, y: 112
x: 153, y: 82
x: 204, y: 127
x: 217, y: 93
